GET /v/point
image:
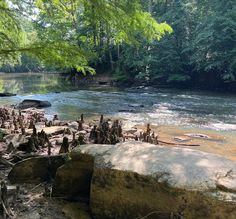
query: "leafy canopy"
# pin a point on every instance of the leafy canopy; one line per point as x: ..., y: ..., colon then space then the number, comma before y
x: 64, y: 32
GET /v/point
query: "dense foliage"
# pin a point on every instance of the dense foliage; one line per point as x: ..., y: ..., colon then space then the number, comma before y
x: 65, y: 33
x: 125, y: 38
x: 200, y: 52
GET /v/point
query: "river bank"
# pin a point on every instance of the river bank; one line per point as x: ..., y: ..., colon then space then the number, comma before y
x: 108, y: 79
x: 51, y: 141
x: 174, y: 111
x: 31, y: 197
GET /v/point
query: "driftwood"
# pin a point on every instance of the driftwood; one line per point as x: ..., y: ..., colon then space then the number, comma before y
x: 180, y: 144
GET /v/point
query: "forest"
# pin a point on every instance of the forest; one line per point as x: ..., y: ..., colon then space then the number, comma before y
x: 117, y: 109
x: 187, y: 44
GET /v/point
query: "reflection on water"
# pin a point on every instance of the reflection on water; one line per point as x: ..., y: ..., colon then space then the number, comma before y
x: 31, y: 83
x: 161, y: 106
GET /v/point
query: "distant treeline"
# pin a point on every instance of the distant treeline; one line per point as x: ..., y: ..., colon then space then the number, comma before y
x: 199, y: 53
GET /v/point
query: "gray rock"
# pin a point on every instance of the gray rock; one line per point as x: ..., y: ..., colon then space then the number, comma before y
x: 33, y: 103
x: 186, y: 168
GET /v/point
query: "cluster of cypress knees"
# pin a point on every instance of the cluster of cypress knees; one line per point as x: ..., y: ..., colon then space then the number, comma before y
x: 104, y: 132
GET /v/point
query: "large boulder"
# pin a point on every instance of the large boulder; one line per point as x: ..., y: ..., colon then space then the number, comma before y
x: 72, y: 180
x: 36, y: 169
x: 28, y: 103
x: 179, y: 167
x: 125, y: 195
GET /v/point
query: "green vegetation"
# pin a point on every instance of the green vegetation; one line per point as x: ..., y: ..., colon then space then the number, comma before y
x: 124, y: 38
x: 68, y: 33
x: 43, y: 83
x: 201, y: 51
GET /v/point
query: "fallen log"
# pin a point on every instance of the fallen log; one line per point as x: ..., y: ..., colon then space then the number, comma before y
x: 179, y: 144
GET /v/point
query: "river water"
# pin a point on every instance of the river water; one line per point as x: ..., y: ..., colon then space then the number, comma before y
x: 146, y: 105
x: 171, y: 112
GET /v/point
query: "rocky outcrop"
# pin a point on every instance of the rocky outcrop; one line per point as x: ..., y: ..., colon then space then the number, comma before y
x: 33, y: 104
x: 115, y: 193
x: 179, y: 167
x: 72, y: 180
x: 36, y: 169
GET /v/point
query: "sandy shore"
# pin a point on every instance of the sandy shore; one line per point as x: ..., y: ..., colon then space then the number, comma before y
x: 221, y: 143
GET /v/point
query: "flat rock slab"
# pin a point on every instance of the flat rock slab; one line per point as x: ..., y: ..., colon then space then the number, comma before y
x: 28, y: 103
x: 179, y: 167
x: 36, y: 169
x: 53, y: 130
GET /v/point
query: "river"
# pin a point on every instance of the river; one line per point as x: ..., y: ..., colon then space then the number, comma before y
x: 184, y: 109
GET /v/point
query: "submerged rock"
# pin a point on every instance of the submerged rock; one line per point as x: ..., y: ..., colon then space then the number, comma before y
x: 136, y: 105
x: 33, y: 103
